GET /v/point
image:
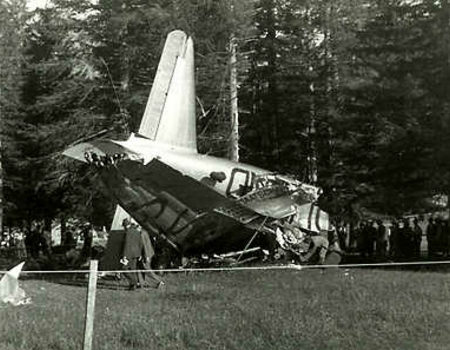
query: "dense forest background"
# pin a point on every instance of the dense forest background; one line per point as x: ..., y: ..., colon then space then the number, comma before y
x: 351, y: 95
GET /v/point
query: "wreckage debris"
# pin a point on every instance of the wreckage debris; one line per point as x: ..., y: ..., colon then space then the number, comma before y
x: 10, y: 292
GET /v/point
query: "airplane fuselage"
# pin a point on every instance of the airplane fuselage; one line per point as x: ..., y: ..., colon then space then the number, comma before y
x: 197, y: 166
x: 196, y: 201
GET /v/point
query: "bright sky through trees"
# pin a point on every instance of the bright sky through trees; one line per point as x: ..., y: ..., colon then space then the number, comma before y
x: 33, y: 4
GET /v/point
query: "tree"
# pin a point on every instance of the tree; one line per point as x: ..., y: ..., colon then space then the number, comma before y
x: 91, y: 68
x: 385, y: 149
x: 12, y: 21
x: 349, y: 95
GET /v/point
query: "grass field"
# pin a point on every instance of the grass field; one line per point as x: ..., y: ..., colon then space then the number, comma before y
x: 361, y: 309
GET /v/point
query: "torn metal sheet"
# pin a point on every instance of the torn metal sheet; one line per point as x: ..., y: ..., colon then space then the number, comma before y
x: 10, y: 292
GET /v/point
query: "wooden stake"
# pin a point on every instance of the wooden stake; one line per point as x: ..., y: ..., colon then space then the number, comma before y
x: 90, y: 306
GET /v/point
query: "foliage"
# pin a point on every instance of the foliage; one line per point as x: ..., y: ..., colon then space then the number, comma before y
x: 349, y: 95
x: 385, y: 149
x: 12, y: 20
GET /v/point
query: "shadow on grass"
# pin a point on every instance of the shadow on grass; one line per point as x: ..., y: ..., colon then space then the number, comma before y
x: 437, y: 264
x: 70, y: 280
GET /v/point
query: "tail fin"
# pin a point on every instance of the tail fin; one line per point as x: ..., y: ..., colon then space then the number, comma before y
x: 169, y: 116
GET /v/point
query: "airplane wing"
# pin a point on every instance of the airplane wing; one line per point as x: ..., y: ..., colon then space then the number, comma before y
x: 186, y: 213
x: 102, y: 148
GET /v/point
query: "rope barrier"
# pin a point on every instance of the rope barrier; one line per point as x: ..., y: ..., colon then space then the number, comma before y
x: 248, y: 268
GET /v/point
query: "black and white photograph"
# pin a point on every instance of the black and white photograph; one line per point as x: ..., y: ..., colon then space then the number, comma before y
x: 224, y: 174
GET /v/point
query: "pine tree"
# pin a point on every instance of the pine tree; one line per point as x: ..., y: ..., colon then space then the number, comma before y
x: 12, y: 22
x: 385, y: 150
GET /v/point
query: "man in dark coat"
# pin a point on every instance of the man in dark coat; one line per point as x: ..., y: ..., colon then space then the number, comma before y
x: 132, y: 251
x: 408, y: 239
x: 88, y: 238
x: 439, y: 239
x: 382, y: 240
x: 361, y: 239
x: 446, y: 237
x: 145, y: 261
x: 431, y: 237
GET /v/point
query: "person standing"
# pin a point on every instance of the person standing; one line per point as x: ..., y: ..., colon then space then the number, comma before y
x: 69, y: 240
x: 29, y: 242
x: 362, y: 239
x: 20, y: 246
x: 439, y: 238
x: 145, y: 261
x: 342, y: 235
x: 431, y: 237
x: 446, y: 237
x: 402, y: 239
x: 394, y: 242
x: 88, y: 237
x: 371, y: 234
x: 382, y: 240
x: 417, y: 238
x: 131, y: 253
x: 334, y: 252
x: 34, y: 240
x: 409, y: 239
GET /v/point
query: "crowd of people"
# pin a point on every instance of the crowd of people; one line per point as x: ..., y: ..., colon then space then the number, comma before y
x: 401, y: 239
x: 377, y: 240
x: 372, y: 240
x: 37, y: 243
x: 28, y: 243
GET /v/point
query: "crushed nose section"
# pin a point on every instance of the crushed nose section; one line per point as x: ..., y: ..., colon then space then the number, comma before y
x: 291, y: 204
x: 277, y: 197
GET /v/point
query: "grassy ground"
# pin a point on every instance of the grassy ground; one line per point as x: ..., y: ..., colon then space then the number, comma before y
x: 370, y: 309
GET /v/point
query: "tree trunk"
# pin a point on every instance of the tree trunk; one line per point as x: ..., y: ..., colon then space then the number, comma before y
x: 63, y: 222
x: 312, y: 152
x: 272, y: 89
x: 234, y: 137
x: 1, y: 190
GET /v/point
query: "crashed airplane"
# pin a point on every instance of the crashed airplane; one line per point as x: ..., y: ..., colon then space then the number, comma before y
x: 196, y: 203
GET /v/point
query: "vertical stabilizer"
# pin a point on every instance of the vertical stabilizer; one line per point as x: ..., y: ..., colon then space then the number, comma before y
x: 169, y: 116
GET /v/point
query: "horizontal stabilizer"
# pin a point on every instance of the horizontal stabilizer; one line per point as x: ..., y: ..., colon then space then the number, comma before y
x: 100, y: 148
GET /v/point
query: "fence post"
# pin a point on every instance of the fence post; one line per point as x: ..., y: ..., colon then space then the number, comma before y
x: 90, y: 306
